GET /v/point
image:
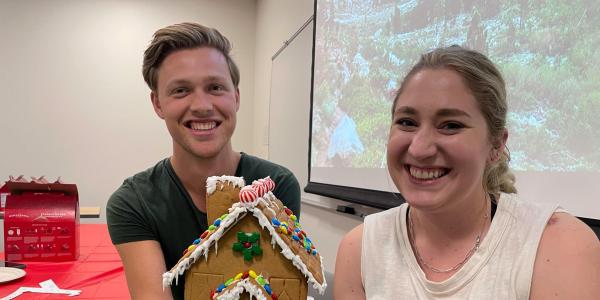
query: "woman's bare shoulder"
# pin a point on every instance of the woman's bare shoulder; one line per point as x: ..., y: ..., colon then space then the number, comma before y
x: 567, y: 264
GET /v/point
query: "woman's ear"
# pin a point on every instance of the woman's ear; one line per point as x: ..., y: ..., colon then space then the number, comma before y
x: 498, y: 147
x: 494, y: 155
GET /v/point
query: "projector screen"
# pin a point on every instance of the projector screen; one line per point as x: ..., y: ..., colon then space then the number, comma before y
x: 546, y: 50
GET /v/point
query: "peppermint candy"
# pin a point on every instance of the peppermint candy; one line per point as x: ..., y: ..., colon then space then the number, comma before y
x: 259, y: 187
x: 248, y: 194
x: 268, y: 182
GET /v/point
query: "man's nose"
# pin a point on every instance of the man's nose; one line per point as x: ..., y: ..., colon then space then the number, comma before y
x: 201, y: 102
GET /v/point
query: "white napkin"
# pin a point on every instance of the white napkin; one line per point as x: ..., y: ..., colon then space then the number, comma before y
x: 46, y: 287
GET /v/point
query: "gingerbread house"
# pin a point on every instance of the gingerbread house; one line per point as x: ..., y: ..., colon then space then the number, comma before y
x: 255, y: 248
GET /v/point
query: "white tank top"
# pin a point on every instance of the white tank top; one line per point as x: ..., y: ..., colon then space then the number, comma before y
x: 501, y: 268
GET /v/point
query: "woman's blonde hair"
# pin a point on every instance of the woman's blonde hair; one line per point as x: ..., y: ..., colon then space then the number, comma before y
x: 487, y: 85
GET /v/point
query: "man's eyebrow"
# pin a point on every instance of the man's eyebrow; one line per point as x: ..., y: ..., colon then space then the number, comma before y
x: 177, y: 82
x: 452, y: 112
x: 215, y: 78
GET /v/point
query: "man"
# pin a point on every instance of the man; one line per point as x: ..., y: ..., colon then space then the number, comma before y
x: 156, y: 214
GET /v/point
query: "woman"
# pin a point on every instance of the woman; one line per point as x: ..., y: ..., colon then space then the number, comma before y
x: 462, y: 234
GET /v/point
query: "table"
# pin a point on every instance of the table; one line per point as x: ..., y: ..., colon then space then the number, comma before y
x: 98, y: 272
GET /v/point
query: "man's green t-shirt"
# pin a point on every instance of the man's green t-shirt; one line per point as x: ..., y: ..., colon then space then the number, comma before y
x: 154, y: 205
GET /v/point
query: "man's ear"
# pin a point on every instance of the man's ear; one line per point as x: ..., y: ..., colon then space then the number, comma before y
x: 156, y: 105
x: 237, y: 99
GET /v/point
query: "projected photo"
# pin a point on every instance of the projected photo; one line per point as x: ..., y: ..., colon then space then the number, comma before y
x: 546, y: 50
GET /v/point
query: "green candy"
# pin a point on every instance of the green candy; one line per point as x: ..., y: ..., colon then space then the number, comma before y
x: 247, y: 254
x: 238, y: 247
x: 254, y: 237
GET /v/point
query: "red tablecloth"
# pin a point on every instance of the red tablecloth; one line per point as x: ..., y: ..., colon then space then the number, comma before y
x: 98, y: 273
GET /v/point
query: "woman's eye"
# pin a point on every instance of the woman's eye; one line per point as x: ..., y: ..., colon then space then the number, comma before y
x: 406, y: 123
x: 452, y: 126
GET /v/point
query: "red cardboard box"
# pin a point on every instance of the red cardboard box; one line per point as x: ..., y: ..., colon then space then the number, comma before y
x: 41, y: 222
x: 3, y: 194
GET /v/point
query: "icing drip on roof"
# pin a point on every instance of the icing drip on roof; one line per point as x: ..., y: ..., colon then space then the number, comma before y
x: 211, y: 182
x: 235, y: 212
x: 287, y: 252
x: 240, y: 286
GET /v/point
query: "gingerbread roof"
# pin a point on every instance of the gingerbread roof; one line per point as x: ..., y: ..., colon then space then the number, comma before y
x: 279, y: 221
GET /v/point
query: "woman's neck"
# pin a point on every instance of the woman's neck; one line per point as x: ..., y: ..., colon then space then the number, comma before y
x: 444, y: 241
x: 454, y: 222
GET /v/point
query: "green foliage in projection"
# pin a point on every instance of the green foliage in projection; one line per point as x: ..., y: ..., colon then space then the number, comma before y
x: 546, y: 50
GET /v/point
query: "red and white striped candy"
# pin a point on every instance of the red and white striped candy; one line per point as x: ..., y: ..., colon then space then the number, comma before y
x: 259, y: 187
x: 268, y: 182
x: 248, y: 194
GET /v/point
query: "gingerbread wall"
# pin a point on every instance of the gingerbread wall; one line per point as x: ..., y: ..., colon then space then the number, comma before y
x: 224, y: 263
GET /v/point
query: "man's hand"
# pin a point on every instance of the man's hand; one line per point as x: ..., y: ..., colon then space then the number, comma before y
x: 144, y: 265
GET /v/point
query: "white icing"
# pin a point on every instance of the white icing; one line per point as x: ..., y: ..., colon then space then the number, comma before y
x: 240, y: 286
x: 236, y: 211
x: 211, y: 182
x: 204, y: 246
x: 287, y: 252
x: 267, y: 205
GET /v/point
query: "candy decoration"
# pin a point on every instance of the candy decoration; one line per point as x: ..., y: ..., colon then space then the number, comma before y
x: 275, y: 222
x: 204, y: 234
x: 248, y: 244
x: 259, y: 188
x: 260, y: 279
x: 238, y: 276
x: 248, y: 194
x: 217, y: 222
x: 269, y: 183
x: 283, y: 229
x: 287, y: 211
x: 268, y: 289
x: 196, y: 241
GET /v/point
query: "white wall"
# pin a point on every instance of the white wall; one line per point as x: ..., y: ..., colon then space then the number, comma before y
x: 73, y: 102
x: 277, y: 21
